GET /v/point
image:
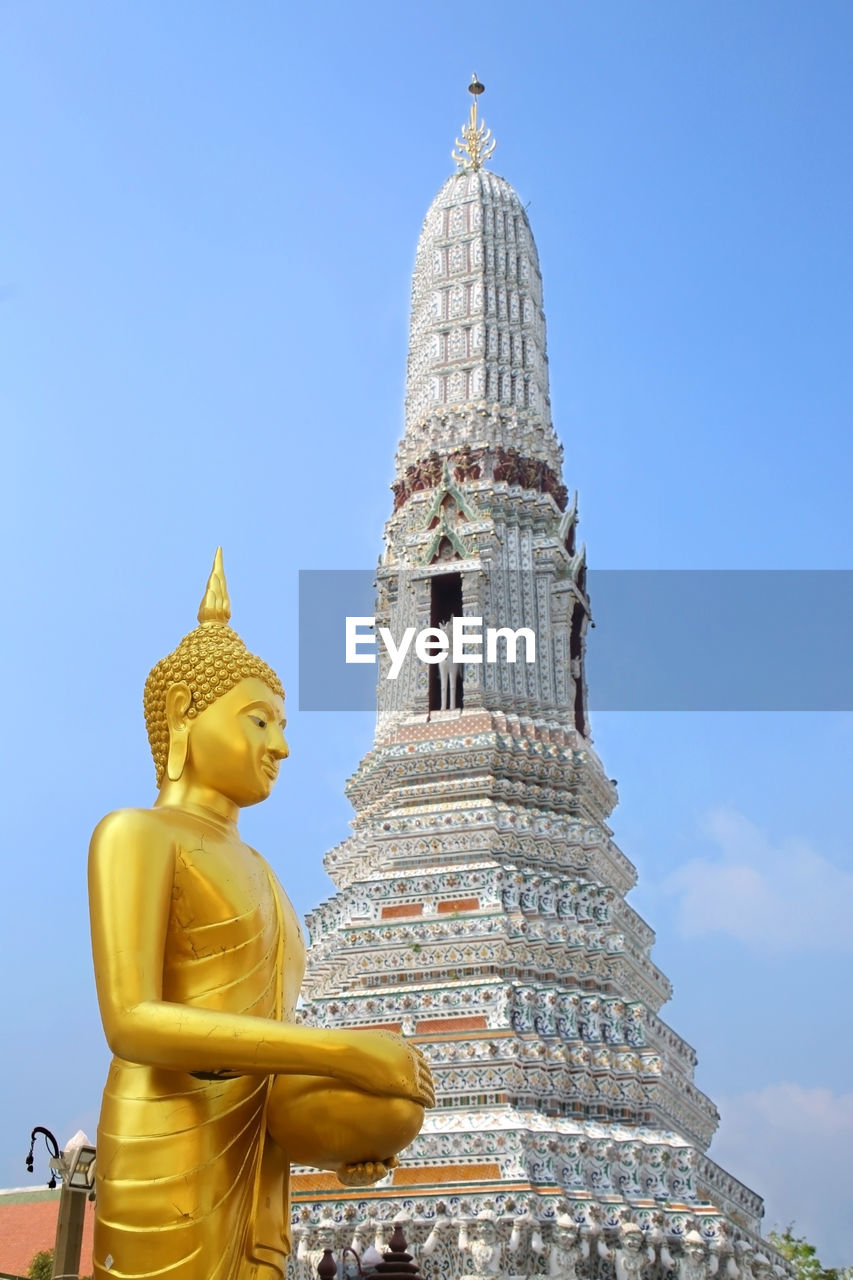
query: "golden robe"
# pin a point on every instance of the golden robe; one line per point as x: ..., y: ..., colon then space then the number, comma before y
x: 189, y: 1185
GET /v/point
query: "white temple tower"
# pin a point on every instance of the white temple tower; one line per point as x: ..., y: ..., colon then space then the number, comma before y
x: 480, y: 902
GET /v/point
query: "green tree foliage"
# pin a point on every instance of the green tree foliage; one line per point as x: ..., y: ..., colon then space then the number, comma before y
x: 41, y: 1266
x: 807, y: 1265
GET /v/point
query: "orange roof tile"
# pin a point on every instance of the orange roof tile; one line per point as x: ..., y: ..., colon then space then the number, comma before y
x: 28, y: 1224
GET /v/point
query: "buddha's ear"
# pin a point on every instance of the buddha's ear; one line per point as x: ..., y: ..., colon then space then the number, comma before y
x: 178, y: 699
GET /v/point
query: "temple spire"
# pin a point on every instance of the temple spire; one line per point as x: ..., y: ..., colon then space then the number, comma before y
x: 477, y: 347
x: 480, y: 902
x: 478, y: 144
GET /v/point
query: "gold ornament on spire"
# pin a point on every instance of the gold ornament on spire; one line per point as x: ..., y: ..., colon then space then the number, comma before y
x: 478, y: 143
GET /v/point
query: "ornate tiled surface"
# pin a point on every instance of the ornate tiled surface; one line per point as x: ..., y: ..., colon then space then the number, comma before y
x: 479, y: 903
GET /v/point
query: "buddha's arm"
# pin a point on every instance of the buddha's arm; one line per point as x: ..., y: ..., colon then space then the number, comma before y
x: 131, y: 871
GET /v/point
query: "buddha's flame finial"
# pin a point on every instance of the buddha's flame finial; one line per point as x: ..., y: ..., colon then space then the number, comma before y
x: 215, y: 605
x: 478, y: 143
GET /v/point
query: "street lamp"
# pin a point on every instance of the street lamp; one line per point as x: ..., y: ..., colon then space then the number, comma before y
x: 79, y: 1157
x: 52, y: 1146
x: 76, y: 1167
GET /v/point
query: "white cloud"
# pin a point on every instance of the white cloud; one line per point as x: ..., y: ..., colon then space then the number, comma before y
x: 793, y: 1145
x: 783, y: 898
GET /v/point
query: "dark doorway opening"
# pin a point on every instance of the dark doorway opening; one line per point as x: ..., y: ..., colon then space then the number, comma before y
x: 445, y: 603
x: 576, y: 656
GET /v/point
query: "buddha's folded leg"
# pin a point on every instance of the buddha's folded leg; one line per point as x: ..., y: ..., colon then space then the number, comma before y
x: 321, y: 1122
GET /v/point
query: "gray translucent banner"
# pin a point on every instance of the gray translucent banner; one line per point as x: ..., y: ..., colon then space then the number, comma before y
x: 662, y: 640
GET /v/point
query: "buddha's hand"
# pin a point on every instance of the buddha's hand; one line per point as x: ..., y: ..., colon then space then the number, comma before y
x: 362, y: 1175
x: 383, y: 1062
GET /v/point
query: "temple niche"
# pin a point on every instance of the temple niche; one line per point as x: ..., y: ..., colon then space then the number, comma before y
x: 480, y: 901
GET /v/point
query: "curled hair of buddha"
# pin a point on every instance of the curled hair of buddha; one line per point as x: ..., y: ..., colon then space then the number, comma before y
x: 210, y: 660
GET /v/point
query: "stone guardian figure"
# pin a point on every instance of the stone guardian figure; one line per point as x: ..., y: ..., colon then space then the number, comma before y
x: 482, y: 1243
x: 693, y: 1263
x: 565, y: 1253
x: 631, y: 1254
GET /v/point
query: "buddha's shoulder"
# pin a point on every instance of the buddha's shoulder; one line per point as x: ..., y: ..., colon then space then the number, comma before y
x: 122, y: 826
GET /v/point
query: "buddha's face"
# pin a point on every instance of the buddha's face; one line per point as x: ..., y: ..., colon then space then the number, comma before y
x: 235, y: 746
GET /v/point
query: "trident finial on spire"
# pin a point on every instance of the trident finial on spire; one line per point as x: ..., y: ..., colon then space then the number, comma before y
x: 478, y: 142
x: 215, y: 605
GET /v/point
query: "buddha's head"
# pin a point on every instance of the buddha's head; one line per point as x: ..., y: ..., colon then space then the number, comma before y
x: 208, y: 665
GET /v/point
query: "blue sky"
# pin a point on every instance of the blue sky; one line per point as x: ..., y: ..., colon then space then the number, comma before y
x: 209, y: 221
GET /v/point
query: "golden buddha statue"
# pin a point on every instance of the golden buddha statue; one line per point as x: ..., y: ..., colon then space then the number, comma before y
x: 214, y: 1090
